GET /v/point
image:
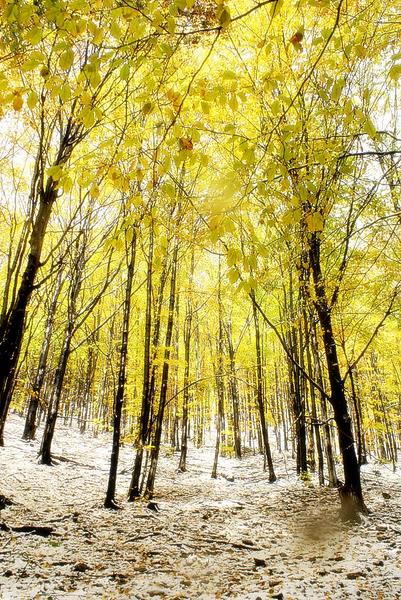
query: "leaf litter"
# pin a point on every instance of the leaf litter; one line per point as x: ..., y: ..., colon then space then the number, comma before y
x: 234, y: 537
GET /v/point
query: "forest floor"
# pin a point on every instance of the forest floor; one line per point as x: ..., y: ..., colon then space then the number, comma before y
x: 244, y: 539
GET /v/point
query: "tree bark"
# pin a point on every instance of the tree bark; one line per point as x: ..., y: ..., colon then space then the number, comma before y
x: 331, y: 465
x: 315, y: 420
x: 219, y: 380
x: 154, y: 453
x: 260, y: 396
x: 30, y: 421
x: 187, y: 354
x: 55, y: 396
x: 358, y: 418
x: 351, y: 492
x: 233, y: 390
x: 109, y: 501
x: 134, y: 489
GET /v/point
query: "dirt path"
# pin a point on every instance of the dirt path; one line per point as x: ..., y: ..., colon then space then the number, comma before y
x: 244, y: 539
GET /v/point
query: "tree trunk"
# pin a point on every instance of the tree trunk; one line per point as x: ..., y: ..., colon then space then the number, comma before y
x: 259, y: 394
x: 30, y: 421
x: 146, y: 422
x: 233, y: 389
x: 315, y: 420
x: 351, y: 491
x: 220, y: 405
x: 219, y: 380
x: 318, y: 375
x: 55, y: 396
x: 12, y: 327
x: 134, y: 489
x: 154, y: 454
x: 109, y: 501
x: 54, y: 401
x: 187, y: 353
x: 91, y: 361
x: 358, y: 418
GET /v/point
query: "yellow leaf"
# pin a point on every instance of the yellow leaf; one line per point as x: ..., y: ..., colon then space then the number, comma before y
x: 115, y: 30
x: 66, y: 183
x: 88, y: 117
x: 252, y: 283
x: 124, y: 72
x: 18, y: 102
x: 147, y: 108
x: 370, y: 128
x: 34, y: 35
x: 65, y: 92
x: 94, y: 191
x: 3, y: 82
x: 32, y: 99
x: 360, y: 51
x: 55, y: 172
x: 66, y: 59
x: 246, y: 286
x: 395, y: 72
x: 233, y: 275
x: 233, y: 102
x: 225, y: 17
x: 171, y: 25
x: 98, y: 34
x: 135, y: 201
x: 315, y: 222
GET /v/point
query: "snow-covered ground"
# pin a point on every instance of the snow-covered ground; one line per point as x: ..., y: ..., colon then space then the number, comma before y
x: 243, y: 539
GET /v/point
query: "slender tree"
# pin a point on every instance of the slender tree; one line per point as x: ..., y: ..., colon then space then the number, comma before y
x: 35, y: 396
x: 109, y: 501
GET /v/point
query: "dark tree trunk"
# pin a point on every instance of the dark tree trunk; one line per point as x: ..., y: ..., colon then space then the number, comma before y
x: 219, y: 380
x: 12, y: 327
x: 54, y: 401
x: 154, y: 453
x: 234, y: 393
x: 358, y: 419
x: 55, y: 396
x: 220, y: 405
x: 281, y: 407
x: 259, y: 394
x: 187, y: 354
x: 199, y: 425
x: 30, y: 421
x: 173, y: 405
x: 92, y: 359
x: 298, y: 403
x: 134, y: 489
x: 318, y: 375
x: 315, y: 420
x: 351, y: 491
x: 147, y: 416
x: 109, y: 501
x: 295, y: 380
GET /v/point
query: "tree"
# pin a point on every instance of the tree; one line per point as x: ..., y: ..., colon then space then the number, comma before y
x: 131, y: 240
x: 35, y: 396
